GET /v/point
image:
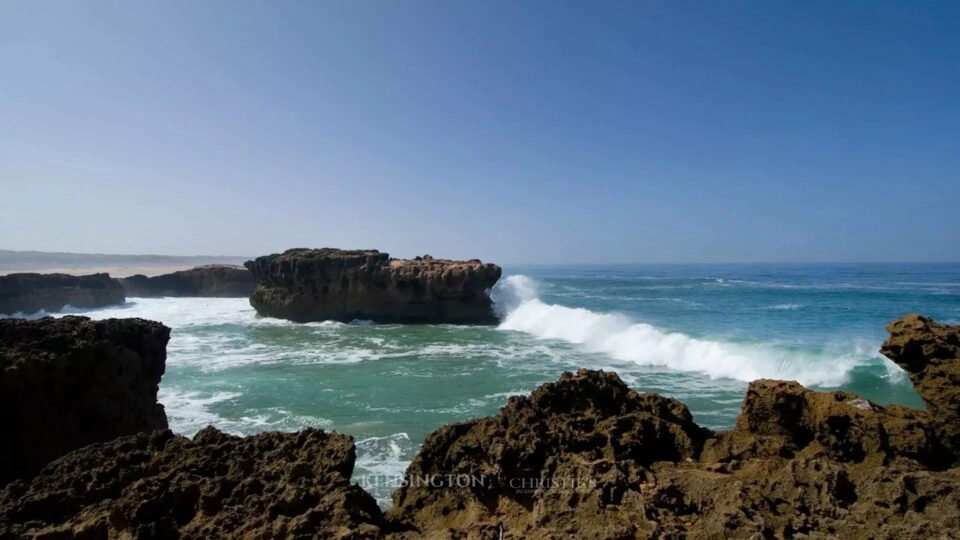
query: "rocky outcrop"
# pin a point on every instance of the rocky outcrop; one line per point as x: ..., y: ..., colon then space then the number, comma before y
x: 930, y: 354
x: 557, y: 462
x: 330, y: 284
x: 70, y: 382
x: 217, y: 280
x: 30, y: 293
x: 785, y: 420
x: 588, y: 457
x: 160, y: 485
x: 584, y: 457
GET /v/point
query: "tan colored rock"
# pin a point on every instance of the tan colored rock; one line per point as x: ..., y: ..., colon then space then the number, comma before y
x: 784, y: 419
x: 798, y: 464
x: 160, y: 485
x: 930, y: 353
x: 569, y: 459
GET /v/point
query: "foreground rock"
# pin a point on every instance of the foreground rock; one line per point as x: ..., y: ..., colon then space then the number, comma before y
x: 330, y: 284
x: 70, y: 382
x: 30, y: 293
x: 586, y: 457
x: 929, y: 353
x: 218, y: 280
x: 159, y: 485
x: 570, y: 459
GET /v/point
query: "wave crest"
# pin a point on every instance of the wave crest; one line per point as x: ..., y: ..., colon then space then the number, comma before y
x: 623, y: 339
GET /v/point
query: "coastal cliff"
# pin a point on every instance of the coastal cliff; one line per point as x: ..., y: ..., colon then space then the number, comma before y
x: 216, y: 281
x: 305, y: 285
x: 69, y: 382
x: 583, y: 457
x: 30, y: 293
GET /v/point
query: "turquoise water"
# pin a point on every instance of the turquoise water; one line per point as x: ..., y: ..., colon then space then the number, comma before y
x: 695, y: 332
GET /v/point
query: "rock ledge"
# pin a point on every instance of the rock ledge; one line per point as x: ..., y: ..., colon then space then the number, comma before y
x: 30, y: 293
x: 305, y: 285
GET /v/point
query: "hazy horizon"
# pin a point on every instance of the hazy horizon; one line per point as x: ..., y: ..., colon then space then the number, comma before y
x: 516, y: 132
x: 4, y: 253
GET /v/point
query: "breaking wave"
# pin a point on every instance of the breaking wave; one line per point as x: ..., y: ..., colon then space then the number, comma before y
x: 622, y: 339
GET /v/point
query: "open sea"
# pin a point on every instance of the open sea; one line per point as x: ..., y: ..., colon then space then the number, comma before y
x: 695, y: 332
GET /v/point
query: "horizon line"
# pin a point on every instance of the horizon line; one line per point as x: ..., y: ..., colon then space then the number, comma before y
x: 527, y: 263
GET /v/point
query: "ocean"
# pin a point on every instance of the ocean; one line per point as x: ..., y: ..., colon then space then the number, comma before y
x: 699, y: 333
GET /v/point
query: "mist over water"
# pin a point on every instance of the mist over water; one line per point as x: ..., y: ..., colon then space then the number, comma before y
x: 698, y: 333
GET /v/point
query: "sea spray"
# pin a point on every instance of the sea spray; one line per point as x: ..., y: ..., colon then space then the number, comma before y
x: 672, y: 330
x: 623, y: 339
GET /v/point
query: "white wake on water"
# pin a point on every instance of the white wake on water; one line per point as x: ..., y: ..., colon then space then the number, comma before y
x: 625, y: 340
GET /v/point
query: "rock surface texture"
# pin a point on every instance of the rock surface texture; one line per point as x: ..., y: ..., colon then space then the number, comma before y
x: 160, y: 485
x: 330, y: 284
x: 30, y: 293
x: 568, y: 460
x: 69, y: 382
x: 929, y: 353
x: 220, y: 281
x: 588, y: 458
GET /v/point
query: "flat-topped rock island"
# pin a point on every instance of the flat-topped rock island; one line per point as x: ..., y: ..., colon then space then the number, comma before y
x: 211, y: 281
x: 32, y: 292
x: 305, y: 285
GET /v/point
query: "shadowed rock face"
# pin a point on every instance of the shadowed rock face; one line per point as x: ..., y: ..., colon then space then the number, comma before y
x: 219, y: 281
x: 330, y: 284
x: 30, y: 293
x: 160, y: 485
x: 69, y: 382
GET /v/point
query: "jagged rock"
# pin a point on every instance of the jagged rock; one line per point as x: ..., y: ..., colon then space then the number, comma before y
x: 30, y: 293
x: 588, y: 431
x: 930, y: 354
x: 784, y: 419
x: 215, y: 280
x: 602, y: 461
x: 330, y: 284
x: 70, y: 382
x: 160, y: 485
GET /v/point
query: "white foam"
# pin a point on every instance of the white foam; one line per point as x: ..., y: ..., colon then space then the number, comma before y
x: 622, y: 339
x: 381, y: 464
x: 65, y: 310
x: 188, y: 412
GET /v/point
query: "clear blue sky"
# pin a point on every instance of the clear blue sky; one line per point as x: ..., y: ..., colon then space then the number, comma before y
x: 514, y: 131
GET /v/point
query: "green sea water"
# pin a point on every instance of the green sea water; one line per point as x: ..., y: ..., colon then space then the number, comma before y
x: 695, y: 332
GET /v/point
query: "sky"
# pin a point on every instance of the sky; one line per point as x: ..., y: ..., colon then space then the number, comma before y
x: 511, y: 131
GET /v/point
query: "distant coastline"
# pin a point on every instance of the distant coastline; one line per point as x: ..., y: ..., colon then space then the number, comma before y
x: 115, y: 265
